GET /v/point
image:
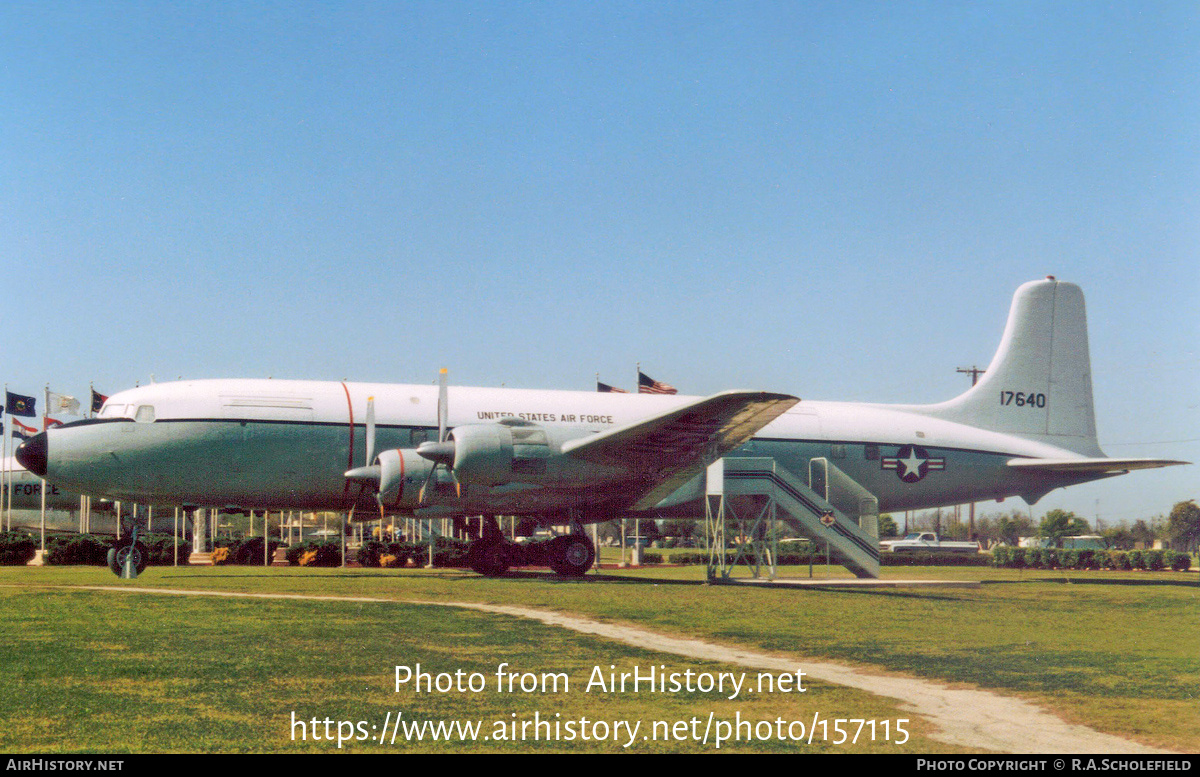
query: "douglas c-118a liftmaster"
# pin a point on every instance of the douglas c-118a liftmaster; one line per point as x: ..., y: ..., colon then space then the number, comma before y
x: 571, y: 458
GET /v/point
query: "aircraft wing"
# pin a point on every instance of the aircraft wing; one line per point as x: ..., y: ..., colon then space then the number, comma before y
x: 1090, y: 466
x: 669, y: 449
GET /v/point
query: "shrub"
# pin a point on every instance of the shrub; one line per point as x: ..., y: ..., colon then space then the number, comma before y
x: 1181, y: 562
x: 1119, y: 559
x: 161, y: 549
x: 931, y: 559
x: 1154, y: 560
x: 1137, y: 559
x: 450, y: 552
x: 16, y: 548
x: 249, y: 551
x: 315, y: 554
x: 77, y: 549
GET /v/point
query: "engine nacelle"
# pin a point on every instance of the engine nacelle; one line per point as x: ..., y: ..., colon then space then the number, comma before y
x: 401, y: 474
x: 512, y: 451
x: 483, y: 454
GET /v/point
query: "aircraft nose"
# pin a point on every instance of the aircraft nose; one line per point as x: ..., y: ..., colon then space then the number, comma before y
x: 32, y: 454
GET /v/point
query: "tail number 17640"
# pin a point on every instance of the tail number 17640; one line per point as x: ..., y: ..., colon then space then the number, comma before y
x: 1021, y: 399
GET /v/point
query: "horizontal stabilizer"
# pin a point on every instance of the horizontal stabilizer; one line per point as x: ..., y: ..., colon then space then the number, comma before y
x: 1091, y: 466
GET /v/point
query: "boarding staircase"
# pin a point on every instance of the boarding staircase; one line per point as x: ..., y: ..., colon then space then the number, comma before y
x: 751, y: 496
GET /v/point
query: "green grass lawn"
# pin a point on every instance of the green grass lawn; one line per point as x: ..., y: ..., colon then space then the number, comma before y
x: 101, y: 671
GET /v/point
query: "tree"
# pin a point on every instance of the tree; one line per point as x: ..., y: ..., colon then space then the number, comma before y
x: 1183, y: 526
x: 887, y: 526
x: 1011, y: 528
x: 1057, y: 524
x: 1118, y: 538
x: 1141, y: 532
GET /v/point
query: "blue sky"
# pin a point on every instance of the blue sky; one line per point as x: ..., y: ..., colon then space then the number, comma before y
x: 831, y: 199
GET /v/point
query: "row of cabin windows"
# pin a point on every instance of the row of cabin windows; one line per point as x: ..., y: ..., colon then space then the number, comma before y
x: 838, y: 451
x: 527, y: 442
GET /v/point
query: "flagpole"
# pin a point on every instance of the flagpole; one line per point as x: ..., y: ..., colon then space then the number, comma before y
x: 4, y: 473
x: 45, y: 407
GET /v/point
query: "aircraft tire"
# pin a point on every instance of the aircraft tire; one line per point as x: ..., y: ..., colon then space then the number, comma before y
x: 490, y: 559
x: 117, y: 555
x: 571, y: 555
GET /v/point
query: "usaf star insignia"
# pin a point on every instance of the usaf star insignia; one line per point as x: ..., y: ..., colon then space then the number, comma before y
x: 912, y: 462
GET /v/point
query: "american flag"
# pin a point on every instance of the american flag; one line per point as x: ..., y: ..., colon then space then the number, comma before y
x: 604, y: 387
x: 648, y: 385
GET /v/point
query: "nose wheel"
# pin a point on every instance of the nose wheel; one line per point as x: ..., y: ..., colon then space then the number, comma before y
x: 128, y: 559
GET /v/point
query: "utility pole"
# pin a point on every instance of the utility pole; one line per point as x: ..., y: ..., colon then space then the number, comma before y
x: 974, y: 372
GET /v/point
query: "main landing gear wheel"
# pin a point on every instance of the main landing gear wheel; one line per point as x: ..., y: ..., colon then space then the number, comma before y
x: 571, y: 555
x: 135, y: 551
x: 489, y: 558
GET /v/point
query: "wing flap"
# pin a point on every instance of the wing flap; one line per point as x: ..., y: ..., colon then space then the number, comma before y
x: 668, y: 449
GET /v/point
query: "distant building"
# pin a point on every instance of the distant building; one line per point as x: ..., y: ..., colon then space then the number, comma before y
x: 1078, y: 542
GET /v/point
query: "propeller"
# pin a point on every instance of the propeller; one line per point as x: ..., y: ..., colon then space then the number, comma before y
x: 442, y: 451
x: 369, y: 473
x: 370, y: 431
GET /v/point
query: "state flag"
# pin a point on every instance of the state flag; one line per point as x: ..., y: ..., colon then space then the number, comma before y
x: 48, y: 422
x: 98, y: 401
x: 21, y: 431
x: 61, y: 403
x: 20, y: 405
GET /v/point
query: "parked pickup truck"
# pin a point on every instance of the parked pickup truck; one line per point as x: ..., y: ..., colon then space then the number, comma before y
x: 927, y: 541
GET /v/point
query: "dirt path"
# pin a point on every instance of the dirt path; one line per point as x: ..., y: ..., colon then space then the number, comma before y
x: 972, y: 718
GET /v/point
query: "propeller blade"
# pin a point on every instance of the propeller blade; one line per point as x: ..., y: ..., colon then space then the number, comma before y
x: 370, y: 431
x: 443, y: 409
x: 442, y: 451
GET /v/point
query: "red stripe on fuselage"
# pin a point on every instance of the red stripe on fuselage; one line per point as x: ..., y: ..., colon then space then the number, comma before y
x: 350, y: 463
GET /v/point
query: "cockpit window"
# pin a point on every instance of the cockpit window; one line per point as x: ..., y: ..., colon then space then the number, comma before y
x: 112, y: 411
x: 145, y: 414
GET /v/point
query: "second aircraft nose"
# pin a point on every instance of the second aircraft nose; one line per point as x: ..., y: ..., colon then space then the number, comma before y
x: 32, y: 453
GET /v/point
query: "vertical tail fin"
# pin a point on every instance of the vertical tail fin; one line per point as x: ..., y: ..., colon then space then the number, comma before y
x: 1039, y: 384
